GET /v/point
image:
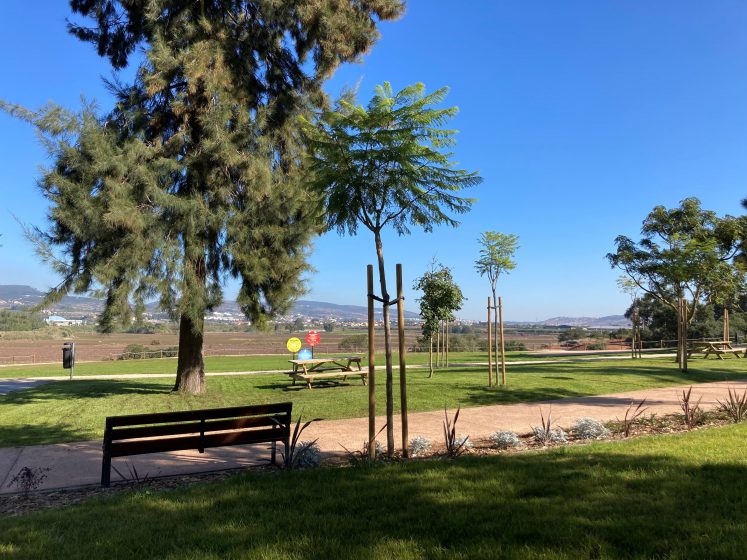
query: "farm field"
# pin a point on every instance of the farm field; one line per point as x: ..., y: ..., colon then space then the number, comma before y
x: 17, y: 348
x: 669, y: 496
x: 75, y: 410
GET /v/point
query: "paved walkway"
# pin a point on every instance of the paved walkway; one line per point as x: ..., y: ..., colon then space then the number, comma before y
x: 79, y: 464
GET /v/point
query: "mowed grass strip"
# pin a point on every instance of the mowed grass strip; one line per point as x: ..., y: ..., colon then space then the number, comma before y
x: 218, y: 364
x: 676, y: 496
x: 65, y: 411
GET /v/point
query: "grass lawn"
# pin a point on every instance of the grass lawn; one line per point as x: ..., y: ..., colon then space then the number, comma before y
x: 72, y: 411
x: 216, y: 364
x: 677, y: 496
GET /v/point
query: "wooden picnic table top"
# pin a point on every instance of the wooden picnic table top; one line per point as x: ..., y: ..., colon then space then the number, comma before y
x: 715, y: 344
x: 324, y: 360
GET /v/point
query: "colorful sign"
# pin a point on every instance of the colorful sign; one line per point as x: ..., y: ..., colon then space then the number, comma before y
x: 293, y: 345
x: 305, y: 354
x: 313, y: 338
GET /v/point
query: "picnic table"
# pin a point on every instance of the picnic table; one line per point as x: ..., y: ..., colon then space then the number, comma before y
x: 716, y: 348
x: 324, y: 368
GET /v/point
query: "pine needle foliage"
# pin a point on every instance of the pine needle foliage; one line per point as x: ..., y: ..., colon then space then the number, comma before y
x: 387, y: 164
x: 197, y: 173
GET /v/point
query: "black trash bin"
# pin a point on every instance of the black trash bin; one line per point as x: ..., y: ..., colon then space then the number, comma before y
x: 68, y: 356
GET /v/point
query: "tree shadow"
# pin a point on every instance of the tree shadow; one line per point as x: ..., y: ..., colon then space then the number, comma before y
x: 82, y: 388
x: 592, y: 503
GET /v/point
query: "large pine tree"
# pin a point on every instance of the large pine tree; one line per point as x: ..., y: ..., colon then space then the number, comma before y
x: 196, y: 173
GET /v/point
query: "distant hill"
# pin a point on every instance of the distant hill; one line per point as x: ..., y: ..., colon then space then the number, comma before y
x: 615, y: 321
x: 16, y: 296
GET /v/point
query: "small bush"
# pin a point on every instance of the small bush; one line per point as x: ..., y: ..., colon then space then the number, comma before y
x: 514, y: 346
x: 134, y: 352
x: 420, y: 445
x: 588, y: 428
x: 596, y: 346
x: 504, y: 440
x: 544, y: 435
x: 354, y: 343
x: 307, y: 455
x: 155, y: 342
x: 734, y: 406
x: 29, y: 479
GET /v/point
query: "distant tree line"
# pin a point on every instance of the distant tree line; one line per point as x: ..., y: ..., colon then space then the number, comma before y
x: 11, y: 320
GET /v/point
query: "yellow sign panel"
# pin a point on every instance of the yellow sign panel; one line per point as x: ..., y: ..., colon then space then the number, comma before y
x: 293, y: 345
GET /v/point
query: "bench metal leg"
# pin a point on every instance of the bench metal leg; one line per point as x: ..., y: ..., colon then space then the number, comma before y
x: 274, y: 452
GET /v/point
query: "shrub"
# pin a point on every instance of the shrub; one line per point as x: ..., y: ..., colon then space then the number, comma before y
x: 355, y: 343
x: 514, y: 346
x: 307, y: 455
x: 420, y: 445
x: 504, y: 440
x: 734, y: 406
x: 134, y: 352
x: 596, y: 346
x: 588, y: 428
x: 544, y: 435
x: 155, y: 342
x: 691, y: 413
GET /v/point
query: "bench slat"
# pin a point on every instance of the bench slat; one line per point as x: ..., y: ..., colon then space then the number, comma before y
x: 196, y: 427
x: 141, y: 447
x: 187, y: 415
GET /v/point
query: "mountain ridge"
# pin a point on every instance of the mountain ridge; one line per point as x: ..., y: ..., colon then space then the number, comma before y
x: 14, y: 296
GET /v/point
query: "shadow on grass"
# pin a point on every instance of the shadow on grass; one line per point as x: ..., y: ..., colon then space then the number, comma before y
x: 81, y: 388
x: 587, y: 504
x: 41, y: 434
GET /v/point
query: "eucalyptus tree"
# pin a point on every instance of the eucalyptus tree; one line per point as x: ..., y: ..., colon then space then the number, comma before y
x: 385, y: 165
x: 441, y: 298
x: 497, y: 252
x: 684, y: 259
x: 196, y: 174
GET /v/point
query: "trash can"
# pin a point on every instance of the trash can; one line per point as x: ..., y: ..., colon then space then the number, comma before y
x: 68, y: 355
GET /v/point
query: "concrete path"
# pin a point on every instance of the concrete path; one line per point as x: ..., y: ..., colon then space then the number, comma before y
x: 9, y: 385
x: 79, y: 464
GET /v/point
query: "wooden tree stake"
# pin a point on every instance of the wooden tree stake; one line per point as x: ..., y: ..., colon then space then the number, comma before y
x: 371, y: 368
x: 490, y: 350
x: 402, y: 363
x: 503, y: 350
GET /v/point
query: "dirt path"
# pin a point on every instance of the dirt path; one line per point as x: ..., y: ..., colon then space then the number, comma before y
x: 79, y: 464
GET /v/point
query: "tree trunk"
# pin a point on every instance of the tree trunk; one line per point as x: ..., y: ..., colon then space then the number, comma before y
x: 387, y: 348
x: 190, y: 368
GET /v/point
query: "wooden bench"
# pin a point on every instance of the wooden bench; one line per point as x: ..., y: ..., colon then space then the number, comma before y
x: 315, y: 368
x: 138, y: 434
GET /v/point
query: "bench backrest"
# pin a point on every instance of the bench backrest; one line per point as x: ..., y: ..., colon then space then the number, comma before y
x: 135, y: 434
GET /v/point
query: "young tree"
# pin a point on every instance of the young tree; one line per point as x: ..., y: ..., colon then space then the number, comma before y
x: 441, y: 299
x: 497, y: 251
x: 684, y: 259
x: 385, y: 165
x: 196, y: 173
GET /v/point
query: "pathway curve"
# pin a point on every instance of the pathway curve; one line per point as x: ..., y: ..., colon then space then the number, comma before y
x: 78, y: 464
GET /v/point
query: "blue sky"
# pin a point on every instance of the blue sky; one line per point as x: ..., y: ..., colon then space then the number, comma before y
x: 580, y: 116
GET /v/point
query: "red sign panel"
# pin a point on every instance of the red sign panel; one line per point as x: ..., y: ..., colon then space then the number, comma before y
x: 313, y: 338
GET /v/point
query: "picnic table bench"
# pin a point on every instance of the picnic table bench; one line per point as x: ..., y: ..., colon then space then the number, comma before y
x: 323, y: 368
x: 717, y: 348
x: 137, y: 434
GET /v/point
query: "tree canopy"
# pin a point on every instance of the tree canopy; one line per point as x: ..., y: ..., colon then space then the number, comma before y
x: 387, y: 164
x: 686, y: 253
x: 197, y: 173
x: 441, y: 298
